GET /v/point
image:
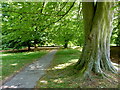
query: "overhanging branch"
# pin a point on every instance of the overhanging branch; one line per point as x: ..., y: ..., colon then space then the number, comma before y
x: 55, y: 15
x: 62, y: 7
x: 42, y: 7
x: 60, y: 17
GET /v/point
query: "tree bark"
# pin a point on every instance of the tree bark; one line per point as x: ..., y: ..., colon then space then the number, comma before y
x: 29, y: 47
x: 95, y: 56
x: 66, y: 44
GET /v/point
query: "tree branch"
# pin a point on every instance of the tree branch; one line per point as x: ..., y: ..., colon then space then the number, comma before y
x: 37, y: 12
x: 60, y: 17
x: 28, y: 13
x: 42, y: 7
x: 62, y: 8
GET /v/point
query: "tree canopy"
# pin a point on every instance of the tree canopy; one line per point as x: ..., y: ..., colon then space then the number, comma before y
x: 28, y: 23
x: 45, y: 23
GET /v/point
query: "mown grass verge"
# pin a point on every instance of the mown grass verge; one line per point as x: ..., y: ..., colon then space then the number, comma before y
x: 61, y: 74
x: 13, y: 62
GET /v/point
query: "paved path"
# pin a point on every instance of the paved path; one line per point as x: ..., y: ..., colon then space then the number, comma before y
x: 28, y: 77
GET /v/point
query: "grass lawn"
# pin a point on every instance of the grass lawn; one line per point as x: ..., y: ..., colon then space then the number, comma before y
x: 13, y: 62
x: 61, y: 74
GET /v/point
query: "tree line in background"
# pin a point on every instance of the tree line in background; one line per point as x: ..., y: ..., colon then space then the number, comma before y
x: 46, y: 23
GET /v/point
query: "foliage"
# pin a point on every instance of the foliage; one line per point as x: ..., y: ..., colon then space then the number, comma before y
x: 116, y: 23
x: 69, y: 30
x: 20, y: 29
x: 30, y: 23
x: 45, y: 23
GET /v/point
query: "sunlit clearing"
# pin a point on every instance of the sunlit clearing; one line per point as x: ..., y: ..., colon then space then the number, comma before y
x: 28, y: 53
x: 5, y: 54
x: 80, y: 48
x: 73, y: 61
x: 62, y: 66
x: 14, y: 64
x: 43, y: 81
x: 74, y: 47
x: 58, y: 80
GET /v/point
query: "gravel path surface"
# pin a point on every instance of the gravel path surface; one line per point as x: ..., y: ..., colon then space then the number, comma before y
x: 31, y: 74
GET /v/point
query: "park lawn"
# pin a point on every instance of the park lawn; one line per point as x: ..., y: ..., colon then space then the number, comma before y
x: 14, y: 62
x: 61, y: 74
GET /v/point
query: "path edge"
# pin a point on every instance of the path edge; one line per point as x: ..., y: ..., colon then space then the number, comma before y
x: 2, y: 82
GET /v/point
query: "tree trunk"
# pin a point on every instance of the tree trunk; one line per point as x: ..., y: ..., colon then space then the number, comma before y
x: 66, y: 44
x: 36, y: 46
x: 29, y: 47
x: 95, y: 56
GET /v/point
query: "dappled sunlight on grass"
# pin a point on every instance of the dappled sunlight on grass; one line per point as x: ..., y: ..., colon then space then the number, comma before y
x: 59, y: 80
x: 14, y: 64
x: 43, y: 81
x: 5, y: 54
x: 62, y: 66
x: 77, y: 47
x: 28, y: 53
x: 61, y: 74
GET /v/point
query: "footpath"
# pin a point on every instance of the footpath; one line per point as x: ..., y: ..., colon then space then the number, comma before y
x: 28, y: 77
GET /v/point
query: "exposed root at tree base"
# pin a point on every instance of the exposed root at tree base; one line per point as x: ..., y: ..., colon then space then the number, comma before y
x: 70, y: 78
x: 97, y: 82
x: 101, y: 80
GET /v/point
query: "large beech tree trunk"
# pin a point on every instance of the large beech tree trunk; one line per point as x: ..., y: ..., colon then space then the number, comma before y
x: 95, y: 56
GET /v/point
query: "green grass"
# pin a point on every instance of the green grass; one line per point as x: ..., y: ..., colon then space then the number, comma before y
x: 61, y: 74
x: 0, y: 48
x: 66, y: 55
x: 13, y: 62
